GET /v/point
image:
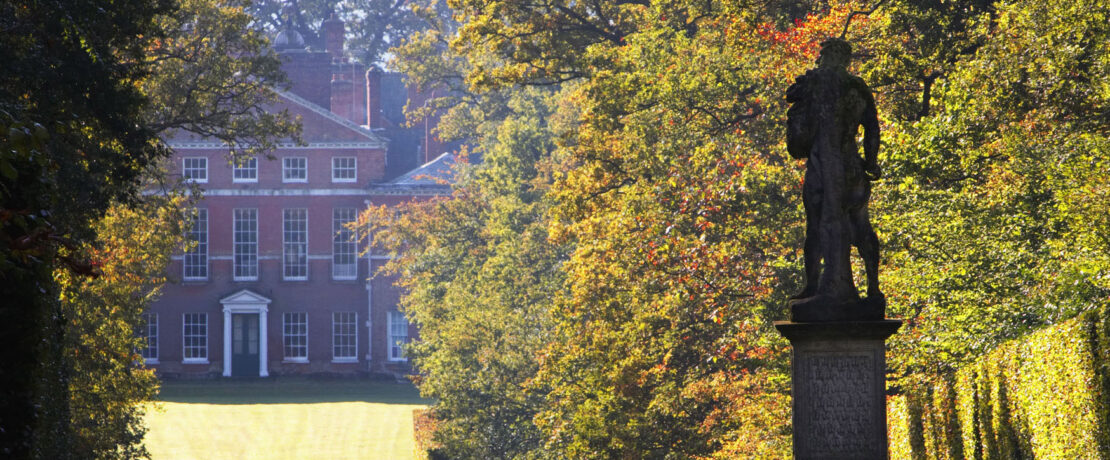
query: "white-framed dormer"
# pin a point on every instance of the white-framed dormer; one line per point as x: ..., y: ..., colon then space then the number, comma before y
x: 247, y: 302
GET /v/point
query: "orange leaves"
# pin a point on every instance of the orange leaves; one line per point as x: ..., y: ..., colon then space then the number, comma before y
x: 787, y: 52
x: 683, y: 210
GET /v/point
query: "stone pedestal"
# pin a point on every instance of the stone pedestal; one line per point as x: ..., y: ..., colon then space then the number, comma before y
x: 839, y: 388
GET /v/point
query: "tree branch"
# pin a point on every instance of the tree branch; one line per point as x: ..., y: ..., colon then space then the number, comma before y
x: 853, y: 14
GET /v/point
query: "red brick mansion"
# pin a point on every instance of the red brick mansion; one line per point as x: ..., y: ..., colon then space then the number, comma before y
x: 276, y: 283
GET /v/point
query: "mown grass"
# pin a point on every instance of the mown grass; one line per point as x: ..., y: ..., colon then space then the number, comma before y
x: 282, y: 418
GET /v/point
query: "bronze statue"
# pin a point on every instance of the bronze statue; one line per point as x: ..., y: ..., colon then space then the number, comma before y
x: 828, y: 107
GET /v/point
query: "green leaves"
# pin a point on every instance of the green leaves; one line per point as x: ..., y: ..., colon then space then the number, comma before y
x: 680, y: 211
x: 106, y: 390
x: 480, y: 278
x: 72, y: 140
x: 213, y: 75
x: 1036, y: 397
x: 88, y: 92
x: 985, y: 236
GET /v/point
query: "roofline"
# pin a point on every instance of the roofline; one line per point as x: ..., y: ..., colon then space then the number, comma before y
x: 413, y: 190
x: 333, y: 117
x: 381, y: 189
x: 207, y: 145
x: 413, y: 173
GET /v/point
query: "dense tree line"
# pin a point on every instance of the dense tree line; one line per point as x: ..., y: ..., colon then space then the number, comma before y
x: 88, y: 92
x: 655, y: 168
x: 602, y: 282
x: 372, y: 26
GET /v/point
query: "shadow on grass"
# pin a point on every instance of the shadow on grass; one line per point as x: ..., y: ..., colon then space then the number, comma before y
x: 288, y: 390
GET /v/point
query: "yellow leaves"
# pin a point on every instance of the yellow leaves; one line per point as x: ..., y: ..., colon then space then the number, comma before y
x: 681, y: 213
x: 131, y: 254
x: 1037, y: 397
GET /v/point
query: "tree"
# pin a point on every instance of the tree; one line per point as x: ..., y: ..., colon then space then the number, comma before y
x: 213, y: 74
x: 479, y: 271
x: 73, y: 140
x: 106, y: 387
x: 375, y: 26
x: 681, y: 212
x: 479, y: 274
x: 306, y: 17
x: 988, y: 237
x: 647, y: 354
x: 914, y: 46
x: 372, y: 26
x: 85, y: 94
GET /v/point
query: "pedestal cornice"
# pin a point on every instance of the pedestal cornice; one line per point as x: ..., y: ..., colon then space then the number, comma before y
x: 839, y: 330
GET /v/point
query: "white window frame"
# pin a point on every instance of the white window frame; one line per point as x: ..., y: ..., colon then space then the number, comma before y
x: 202, y: 336
x: 246, y: 171
x: 240, y: 247
x: 203, y: 168
x: 344, y: 244
x: 286, y: 169
x: 336, y: 322
x: 297, y: 322
x: 294, y: 238
x: 196, y: 259
x: 353, y: 169
x: 396, y: 350
x: 148, y: 332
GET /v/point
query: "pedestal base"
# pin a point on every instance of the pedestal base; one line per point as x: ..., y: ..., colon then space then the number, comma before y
x: 839, y: 388
x: 820, y: 309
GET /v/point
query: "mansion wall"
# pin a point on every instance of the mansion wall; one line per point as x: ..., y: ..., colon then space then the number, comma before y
x: 287, y: 243
x: 276, y: 283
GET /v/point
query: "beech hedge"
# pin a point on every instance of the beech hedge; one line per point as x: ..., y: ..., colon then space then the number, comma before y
x: 1040, y: 397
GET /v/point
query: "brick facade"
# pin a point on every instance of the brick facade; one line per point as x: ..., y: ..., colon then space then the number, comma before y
x: 307, y: 315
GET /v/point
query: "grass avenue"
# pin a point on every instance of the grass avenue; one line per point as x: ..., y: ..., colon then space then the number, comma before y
x: 292, y: 418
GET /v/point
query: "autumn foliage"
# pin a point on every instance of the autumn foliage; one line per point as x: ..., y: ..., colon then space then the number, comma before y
x: 107, y: 389
x: 673, y: 219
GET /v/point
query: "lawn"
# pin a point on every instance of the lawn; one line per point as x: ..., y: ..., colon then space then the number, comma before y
x: 282, y: 418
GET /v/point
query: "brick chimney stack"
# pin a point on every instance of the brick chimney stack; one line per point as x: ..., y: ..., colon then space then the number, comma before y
x: 334, y: 31
x: 342, y: 93
x: 374, y: 98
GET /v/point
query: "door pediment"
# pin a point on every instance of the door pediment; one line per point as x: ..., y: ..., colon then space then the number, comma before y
x: 246, y: 301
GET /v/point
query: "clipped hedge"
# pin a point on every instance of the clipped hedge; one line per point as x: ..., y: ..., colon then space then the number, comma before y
x: 1041, y: 397
x: 423, y: 429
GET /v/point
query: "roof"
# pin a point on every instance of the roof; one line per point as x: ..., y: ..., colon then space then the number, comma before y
x: 370, y: 135
x: 434, y: 177
x: 358, y: 136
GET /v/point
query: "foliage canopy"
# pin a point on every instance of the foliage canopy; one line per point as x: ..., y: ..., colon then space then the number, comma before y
x: 671, y: 191
x: 88, y: 91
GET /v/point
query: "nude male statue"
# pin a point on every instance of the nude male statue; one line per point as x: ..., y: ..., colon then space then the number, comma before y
x: 828, y: 107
